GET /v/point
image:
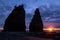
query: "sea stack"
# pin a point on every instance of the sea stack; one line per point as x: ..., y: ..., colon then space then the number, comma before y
x: 16, y: 20
x: 36, y: 24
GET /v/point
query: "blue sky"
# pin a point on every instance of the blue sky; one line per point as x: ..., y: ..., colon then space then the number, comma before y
x: 49, y: 9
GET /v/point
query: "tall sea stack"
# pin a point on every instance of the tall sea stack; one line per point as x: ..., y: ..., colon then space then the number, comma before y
x: 36, y: 24
x: 16, y: 20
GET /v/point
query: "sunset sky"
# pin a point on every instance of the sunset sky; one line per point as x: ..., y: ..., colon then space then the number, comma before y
x: 49, y: 9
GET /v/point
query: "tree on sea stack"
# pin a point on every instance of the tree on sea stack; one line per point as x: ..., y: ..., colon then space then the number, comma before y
x: 36, y: 24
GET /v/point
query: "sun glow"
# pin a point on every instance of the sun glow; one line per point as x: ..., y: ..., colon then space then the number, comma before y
x: 50, y: 28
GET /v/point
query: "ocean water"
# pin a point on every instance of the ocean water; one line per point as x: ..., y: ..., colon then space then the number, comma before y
x: 57, y: 31
x: 27, y: 30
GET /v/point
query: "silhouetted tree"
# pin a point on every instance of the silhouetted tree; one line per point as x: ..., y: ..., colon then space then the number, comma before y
x: 16, y: 20
x: 36, y: 24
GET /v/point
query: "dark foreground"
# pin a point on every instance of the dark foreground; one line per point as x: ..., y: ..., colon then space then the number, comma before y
x: 23, y: 36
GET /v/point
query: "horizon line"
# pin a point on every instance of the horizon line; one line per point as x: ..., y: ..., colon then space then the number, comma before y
x: 1, y: 28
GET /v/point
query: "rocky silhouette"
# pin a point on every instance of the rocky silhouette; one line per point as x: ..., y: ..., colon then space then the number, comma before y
x: 36, y: 24
x: 16, y: 20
